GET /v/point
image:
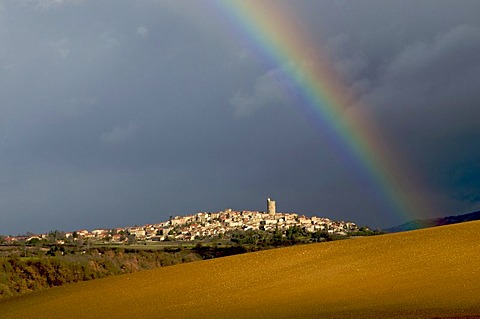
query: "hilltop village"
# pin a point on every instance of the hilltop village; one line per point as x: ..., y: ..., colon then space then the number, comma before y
x: 205, y: 225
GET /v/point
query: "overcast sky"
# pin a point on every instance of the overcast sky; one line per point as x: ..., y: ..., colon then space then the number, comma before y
x: 116, y: 113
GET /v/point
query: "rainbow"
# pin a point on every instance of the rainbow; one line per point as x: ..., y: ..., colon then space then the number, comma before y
x: 276, y: 36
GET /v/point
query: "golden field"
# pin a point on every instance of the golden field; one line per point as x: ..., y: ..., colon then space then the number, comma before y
x: 430, y: 273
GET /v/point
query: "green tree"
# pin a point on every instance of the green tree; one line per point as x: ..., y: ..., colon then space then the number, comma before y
x: 34, y: 241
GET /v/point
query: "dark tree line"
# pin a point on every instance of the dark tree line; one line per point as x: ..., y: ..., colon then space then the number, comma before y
x: 295, y: 235
x: 20, y: 275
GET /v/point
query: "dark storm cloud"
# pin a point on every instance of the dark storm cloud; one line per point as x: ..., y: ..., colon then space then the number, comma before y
x: 427, y: 99
x: 119, y: 113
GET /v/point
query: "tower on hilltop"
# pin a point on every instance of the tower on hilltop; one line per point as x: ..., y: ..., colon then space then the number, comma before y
x: 270, y: 206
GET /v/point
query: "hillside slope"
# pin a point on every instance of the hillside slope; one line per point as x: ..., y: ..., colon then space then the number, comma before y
x: 433, y: 222
x: 420, y: 274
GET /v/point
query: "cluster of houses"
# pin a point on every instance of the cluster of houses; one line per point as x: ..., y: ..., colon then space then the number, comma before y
x: 203, y: 225
x: 210, y: 225
x: 207, y: 225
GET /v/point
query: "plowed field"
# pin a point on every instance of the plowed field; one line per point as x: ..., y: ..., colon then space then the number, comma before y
x: 430, y: 273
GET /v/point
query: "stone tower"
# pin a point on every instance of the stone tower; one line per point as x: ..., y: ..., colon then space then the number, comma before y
x: 270, y: 206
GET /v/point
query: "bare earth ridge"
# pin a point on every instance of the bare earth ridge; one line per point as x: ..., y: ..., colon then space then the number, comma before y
x: 429, y: 273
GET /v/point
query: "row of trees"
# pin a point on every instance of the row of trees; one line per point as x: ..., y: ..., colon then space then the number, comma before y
x: 264, y: 239
x: 292, y: 236
x: 20, y: 275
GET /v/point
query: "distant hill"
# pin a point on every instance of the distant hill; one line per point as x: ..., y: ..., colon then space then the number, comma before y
x: 427, y: 273
x: 432, y: 222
